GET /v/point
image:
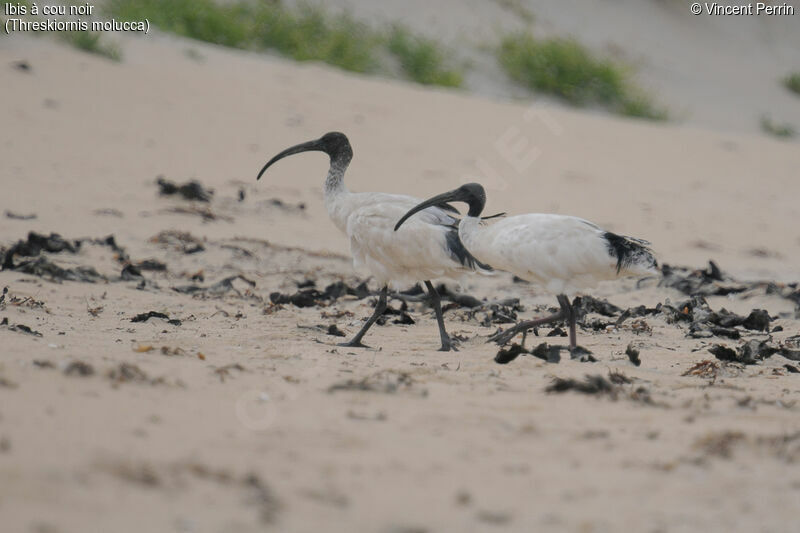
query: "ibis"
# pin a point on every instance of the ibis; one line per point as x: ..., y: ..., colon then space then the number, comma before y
x: 430, y: 247
x: 563, y: 254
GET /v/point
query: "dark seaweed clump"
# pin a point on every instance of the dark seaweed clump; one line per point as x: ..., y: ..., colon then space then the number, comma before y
x: 308, y: 296
x: 191, y: 190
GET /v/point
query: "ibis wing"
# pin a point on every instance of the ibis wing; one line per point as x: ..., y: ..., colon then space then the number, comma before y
x: 417, y: 252
x: 552, y: 250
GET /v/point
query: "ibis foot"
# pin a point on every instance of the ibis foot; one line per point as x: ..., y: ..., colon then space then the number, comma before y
x: 448, y: 346
x: 351, y: 344
x: 380, y: 307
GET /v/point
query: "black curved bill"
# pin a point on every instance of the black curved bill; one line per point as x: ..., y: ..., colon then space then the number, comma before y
x: 438, y: 200
x: 303, y: 147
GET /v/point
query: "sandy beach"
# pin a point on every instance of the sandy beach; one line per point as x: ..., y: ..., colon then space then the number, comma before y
x: 226, y: 411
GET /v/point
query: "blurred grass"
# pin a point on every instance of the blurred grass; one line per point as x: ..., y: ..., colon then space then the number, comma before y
x: 92, y: 42
x: 224, y: 24
x: 781, y: 130
x: 421, y: 59
x: 792, y: 82
x: 311, y: 34
x: 564, y: 68
x: 307, y: 33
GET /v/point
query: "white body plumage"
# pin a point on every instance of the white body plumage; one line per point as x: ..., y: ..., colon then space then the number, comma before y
x: 428, y: 249
x: 561, y: 253
x: 419, y: 252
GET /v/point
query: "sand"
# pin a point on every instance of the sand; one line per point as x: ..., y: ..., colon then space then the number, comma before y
x: 189, y: 441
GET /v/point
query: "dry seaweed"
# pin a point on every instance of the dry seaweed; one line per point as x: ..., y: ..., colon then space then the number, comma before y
x: 37, y: 243
x: 384, y: 381
x: 280, y: 204
x: 21, y: 328
x: 633, y: 355
x: 505, y: 356
x: 22, y: 66
x: 548, y: 352
x: 613, y: 387
x: 335, y: 331
x: 639, y: 311
x: 79, y: 368
x: 263, y: 497
x: 217, y: 289
x: 7, y: 383
x: 225, y: 371
x: 789, y: 353
x: 705, y: 369
x: 127, y: 372
x: 719, y: 444
x: 16, y: 216
x: 44, y: 268
x: 179, y: 240
x: 403, y: 317
x: 144, y: 317
x: 308, y: 296
x: 707, y: 282
x: 595, y: 384
x: 583, y: 305
x: 332, y: 330
x: 748, y: 353
x: 203, y: 212
x: 131, y: 273
x: 460, y: 299
x: 191, y: 190
x: 151, y: 265
x: 501, y: 312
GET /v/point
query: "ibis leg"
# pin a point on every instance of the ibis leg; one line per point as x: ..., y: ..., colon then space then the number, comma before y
x: 504, y: 336
x: 566, y: 313
x: 569, y: 313
x: 447, y: 345
x: 380, y: 307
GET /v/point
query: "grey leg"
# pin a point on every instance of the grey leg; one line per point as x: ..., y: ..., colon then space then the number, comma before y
x: 565, y: 313
x: 569, y: 313
x: 447, y: 345
x: 380, y: 307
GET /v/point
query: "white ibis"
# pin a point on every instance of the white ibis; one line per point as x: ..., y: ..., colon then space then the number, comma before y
x: 561, y: 253
x: 428, y: 249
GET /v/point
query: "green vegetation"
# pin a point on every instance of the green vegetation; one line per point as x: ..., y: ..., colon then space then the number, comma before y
x: 564, y: 68
x: 311, y: 34
x: 421, y: 59
x: 92, y: 42
x: 224, y: 24
x: 308, y: 33
x: 784, y: 131
x: 792, y: 82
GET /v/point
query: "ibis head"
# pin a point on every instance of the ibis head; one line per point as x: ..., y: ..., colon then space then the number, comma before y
x: 334, y: 144
x: 471, y: 193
